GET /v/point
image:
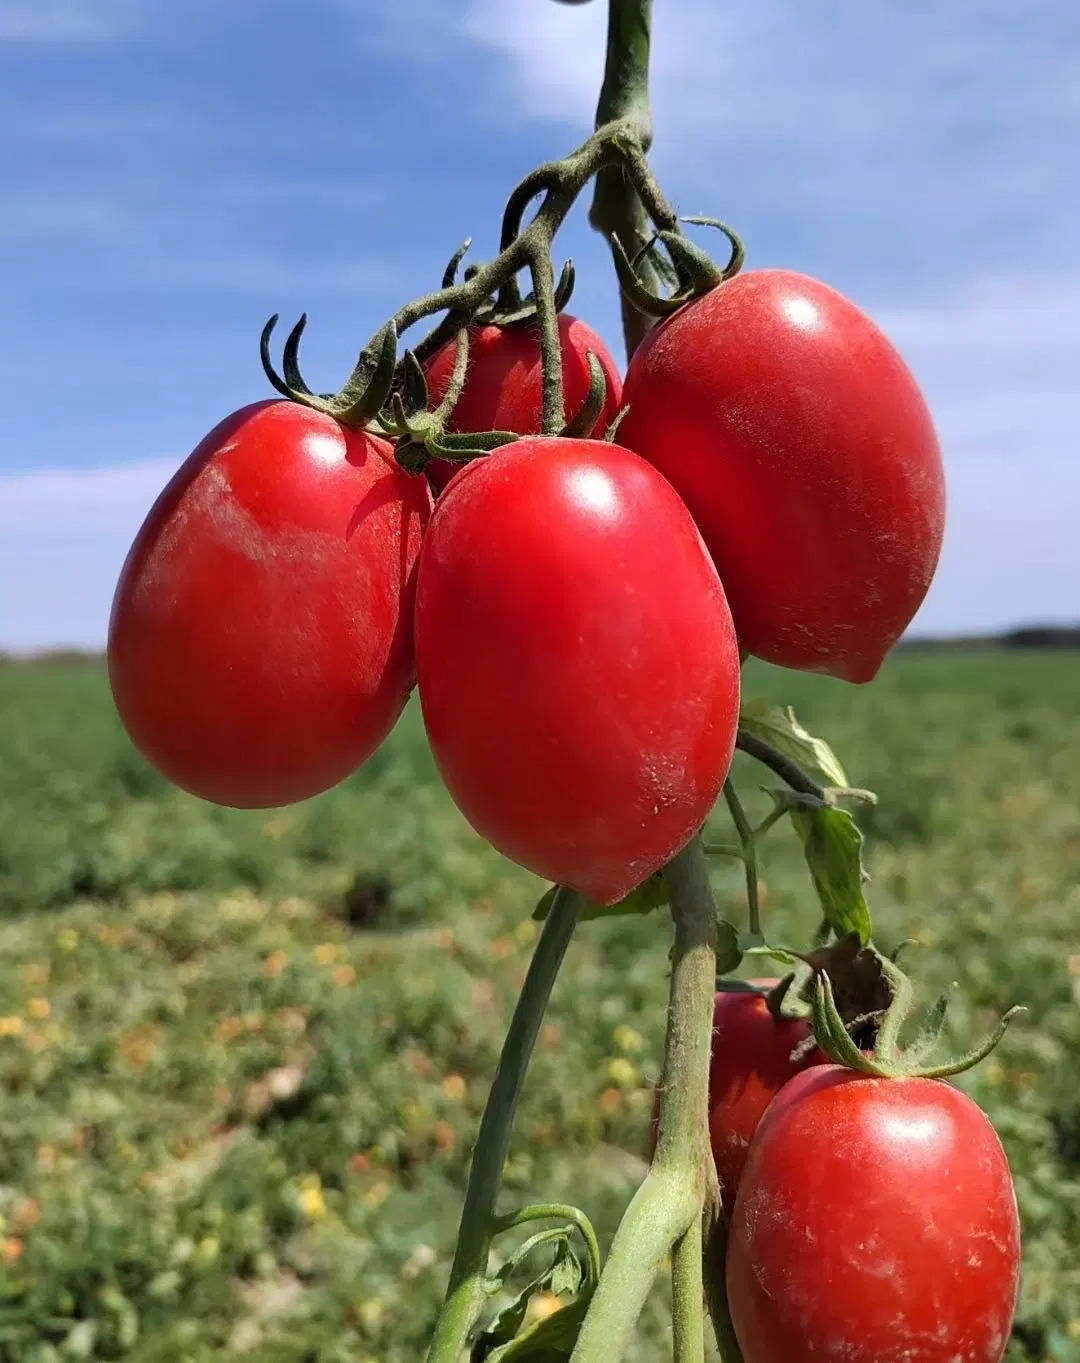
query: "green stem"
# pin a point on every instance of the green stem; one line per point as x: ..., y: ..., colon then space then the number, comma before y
x: 465, y: 1294
x: 784, y: 767
x: 558, y: 1211
x: 681, y: 1184
x: 686, y: 1292
x: 749, y: 855
x: 547, y: 320
x: 617, y: 210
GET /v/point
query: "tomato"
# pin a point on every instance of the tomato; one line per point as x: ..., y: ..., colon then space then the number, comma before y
x: 260, y: 645
x: 802, y: 445
x: 875, y: 1221
x: 503, y: 383
x: 751, y: 1062
x: 577, y: 666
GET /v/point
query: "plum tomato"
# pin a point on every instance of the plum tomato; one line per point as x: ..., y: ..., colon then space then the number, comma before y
x: 875, y: 1222
x: 577, y: 666
x: 260, y: 643
x: 801, y: 443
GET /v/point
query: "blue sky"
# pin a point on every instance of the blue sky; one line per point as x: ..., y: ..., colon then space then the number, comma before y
x: 172, y: 174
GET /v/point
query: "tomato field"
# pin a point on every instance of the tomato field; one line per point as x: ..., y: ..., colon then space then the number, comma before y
x: 243, y: 1054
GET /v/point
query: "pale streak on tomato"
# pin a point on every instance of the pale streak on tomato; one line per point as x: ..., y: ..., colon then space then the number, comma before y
x: 577, y: 666
x: 260, y: 641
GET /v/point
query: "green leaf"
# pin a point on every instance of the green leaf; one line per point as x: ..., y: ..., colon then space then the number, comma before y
x: 650, y: 894
x: 832, y: 844
x: 777, y: 725
x: 728, y: 952
x: 550, y: 1340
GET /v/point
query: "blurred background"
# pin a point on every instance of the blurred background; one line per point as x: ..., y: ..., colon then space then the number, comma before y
x: 243, y: 1055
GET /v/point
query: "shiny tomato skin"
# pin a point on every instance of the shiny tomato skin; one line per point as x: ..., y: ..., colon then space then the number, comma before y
x: 750, y: 1064
x: 801, y: 443
x: 577, y: 666
x: 876, y: 1222
x: 503, y: 383
x: 260, y: 643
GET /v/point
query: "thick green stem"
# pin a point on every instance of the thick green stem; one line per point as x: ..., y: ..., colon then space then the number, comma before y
x: 465, y: 1294
x: 681, y: 1184
x: 617, y: 209
x: 686, y: 1292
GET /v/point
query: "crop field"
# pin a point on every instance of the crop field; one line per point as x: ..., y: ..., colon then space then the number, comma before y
x: 243, y: 1055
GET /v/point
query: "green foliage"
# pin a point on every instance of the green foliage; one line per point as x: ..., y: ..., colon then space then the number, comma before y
x: 243, y: 1055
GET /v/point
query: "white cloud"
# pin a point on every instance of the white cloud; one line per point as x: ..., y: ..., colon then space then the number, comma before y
x: 89, y: 501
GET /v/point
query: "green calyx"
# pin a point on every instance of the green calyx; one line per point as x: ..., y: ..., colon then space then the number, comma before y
x: 887, y: 1059
x: 695, y: 273
x: 364, y: 393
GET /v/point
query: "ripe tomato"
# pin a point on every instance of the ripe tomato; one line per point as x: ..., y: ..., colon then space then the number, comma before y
x: 800, y: 442
x: 504, y: 379
x: 751, y: 1062
x: 876, y: 1220
x: 260, y: 645
x: 577, y: 665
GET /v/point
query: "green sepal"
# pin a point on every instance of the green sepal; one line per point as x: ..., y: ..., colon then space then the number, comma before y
x: 583, y: 422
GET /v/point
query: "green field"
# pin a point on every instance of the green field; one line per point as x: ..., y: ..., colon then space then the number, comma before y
x: 242, y: 1056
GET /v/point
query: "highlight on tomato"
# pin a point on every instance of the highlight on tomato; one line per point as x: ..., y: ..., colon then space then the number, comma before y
x: 799, y: 439
x: 577, y: 666
x: 876, y: 1219
x: 504, y: 381
x: 260, y: 644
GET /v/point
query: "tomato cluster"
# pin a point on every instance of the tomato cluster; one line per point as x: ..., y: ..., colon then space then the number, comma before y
x: 577, y: 647
x: 573, y: 612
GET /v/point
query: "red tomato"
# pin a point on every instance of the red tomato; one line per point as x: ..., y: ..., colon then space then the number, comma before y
x: 876, y: 1221
x: 751, y: 1062
x: 260, y: 644
x: 800, y: 442
x: 577, y: 666
x: 504, y: 380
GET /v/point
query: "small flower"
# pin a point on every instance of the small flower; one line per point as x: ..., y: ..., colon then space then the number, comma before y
x: 67, y: 939
x: 343, y: 976
x: 326, y: 953
x: 312, y: 1202
x: 11, y: 1026
x: 453, y: 1088
x: 39, y: 1008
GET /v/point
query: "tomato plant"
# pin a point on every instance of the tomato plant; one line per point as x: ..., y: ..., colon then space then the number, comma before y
x: 502, y: 390
x: 577, y: 668
x: 260, y: 645
x: 799, y: 440
x: 876, y: 1219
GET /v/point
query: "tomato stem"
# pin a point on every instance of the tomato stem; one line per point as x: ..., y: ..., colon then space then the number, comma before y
x: 747, y: 843
x: 688, y: 1320
x: 680, y: 1186
x: 465, y: 1297
x: 617, y: 208
x: 784, y: 767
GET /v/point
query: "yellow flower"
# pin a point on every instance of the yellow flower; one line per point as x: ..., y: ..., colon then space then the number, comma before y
x: 326, y: 953
x: 312, y: 1202
x: 370, y: 1312
x: 39, y: 1008
x: 11, y: 1026
x: 67, y: 939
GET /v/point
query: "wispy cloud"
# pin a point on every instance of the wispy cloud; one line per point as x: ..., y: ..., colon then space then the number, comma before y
x: 66, y: 21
